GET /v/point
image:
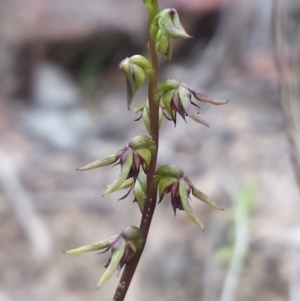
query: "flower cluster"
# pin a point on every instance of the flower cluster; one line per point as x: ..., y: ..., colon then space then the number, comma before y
x: 175, y: 97
x: 123, y: 247
x: 171, y: 179
x: 137, y: 153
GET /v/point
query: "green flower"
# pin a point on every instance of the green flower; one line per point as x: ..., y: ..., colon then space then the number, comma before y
x: 171, y: 179
x: 168, y: 22
x: 123, y: 247
x: 176, y: 98
x: 135, y: 69
x: 135, y: 155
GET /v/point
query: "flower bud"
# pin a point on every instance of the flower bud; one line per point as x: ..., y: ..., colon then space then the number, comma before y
x: 135, y: 69
x: 170, y: 25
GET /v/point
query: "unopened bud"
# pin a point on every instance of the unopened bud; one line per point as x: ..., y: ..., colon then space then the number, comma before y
x: 170, y: 25
x: 135, y: 69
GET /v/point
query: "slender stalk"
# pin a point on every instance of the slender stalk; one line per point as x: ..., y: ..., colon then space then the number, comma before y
x: 150, y: 203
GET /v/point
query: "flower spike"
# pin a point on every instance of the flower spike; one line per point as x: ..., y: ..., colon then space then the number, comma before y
x: 123, y: 247
x: 171, y: 179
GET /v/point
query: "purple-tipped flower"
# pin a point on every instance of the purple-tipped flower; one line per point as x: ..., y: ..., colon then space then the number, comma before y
x: 123, y: 247
x: 137, y: 153
x: 171, y: 179
x: 176, y: 98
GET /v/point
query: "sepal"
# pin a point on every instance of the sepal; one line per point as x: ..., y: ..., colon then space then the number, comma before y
x: 140, y: 190
x: 100, y: 163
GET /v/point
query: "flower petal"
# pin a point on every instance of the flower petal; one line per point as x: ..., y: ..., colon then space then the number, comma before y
x: 126, y: 167
x: 116, y: 257
x: 204, y: 98
x: 93, y: 247
x: 145, y: 154
x: 99, y: 163
x: 202, y: 197
x: 184, y: 189
x: 163, y: 185
x: 140, y: 190
x: 167, y: 103
x: 185, y: 99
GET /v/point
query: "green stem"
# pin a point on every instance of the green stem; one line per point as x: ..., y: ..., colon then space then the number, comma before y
x: 150, y: 203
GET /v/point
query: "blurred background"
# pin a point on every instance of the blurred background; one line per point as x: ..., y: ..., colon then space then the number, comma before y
x: 63, y: 105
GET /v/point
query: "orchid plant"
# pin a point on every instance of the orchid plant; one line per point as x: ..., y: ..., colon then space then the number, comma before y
x: 138, y: 159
